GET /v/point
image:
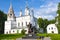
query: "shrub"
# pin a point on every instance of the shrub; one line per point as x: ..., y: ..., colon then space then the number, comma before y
x: 23, y: 32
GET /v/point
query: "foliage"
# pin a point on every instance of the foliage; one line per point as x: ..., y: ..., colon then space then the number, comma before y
x: 10, y: 36
x: 43, y: 23
x: 52, y: 36
x: 3, y: 17
x: 58, y: 17
x: 40, y: 22
x: 58, y: 26
x: 58, y: 11
x: 23, y: 31
x: 52, y: 21
x: 17, y: 31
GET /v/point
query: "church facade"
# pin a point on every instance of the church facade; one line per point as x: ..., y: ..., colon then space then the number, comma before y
x: 17, y: 24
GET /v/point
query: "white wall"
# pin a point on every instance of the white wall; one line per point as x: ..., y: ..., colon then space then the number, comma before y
x: 7, y: 25
x: 23, y: 19
x: 10, y: 25
x: 49, y: 28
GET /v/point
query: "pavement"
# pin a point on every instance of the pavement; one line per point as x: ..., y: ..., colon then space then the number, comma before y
x: 25, y: 39
x: 46, y: 38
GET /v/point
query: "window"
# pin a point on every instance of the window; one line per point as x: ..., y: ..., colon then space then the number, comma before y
x: 55, y: 29
x: 6, y: 32
x: 13, y: 31
x: 22, y: 23
x: 10, y: 14
x: 26, y: 23
x: 49, y: 28
x: 52, y: 28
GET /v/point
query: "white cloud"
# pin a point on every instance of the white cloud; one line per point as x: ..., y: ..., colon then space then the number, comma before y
x: 47, y: 11
x: 48, y: 16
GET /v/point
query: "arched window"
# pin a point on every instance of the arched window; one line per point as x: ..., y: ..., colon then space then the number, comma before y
x: 10, y: 14
x: 6, y: 32
x: 26, y: 23
x: 52, y: 28
x: 49, y: 28
x: 22, y: 23
x: 13, y: 30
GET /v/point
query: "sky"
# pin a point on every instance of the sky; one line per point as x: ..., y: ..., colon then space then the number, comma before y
x: 45, y: 9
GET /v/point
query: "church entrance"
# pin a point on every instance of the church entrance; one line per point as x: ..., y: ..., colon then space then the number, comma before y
x: 52, y: 31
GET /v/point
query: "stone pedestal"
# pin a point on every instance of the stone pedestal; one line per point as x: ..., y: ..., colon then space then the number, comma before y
x: 31, y: 36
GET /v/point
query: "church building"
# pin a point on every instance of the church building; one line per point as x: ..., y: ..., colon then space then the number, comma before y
x: 52, y: 28
x: 15, y: 24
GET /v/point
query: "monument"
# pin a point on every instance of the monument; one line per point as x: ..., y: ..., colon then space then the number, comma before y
x: 31, y: 32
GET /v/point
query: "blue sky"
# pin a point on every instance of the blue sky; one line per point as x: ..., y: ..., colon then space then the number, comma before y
x: 42, y: 8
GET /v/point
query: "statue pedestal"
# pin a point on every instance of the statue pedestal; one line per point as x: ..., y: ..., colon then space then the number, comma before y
x: 30, y: 36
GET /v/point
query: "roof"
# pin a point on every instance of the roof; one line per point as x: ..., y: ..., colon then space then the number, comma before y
x: 51, y: 25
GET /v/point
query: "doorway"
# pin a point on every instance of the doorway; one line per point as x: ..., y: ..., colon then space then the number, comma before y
x: 52, y: 31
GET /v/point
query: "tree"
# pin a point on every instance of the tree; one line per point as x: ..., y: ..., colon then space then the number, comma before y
x: 43, y: 23
x: 3, y: 17
x: 46, y: 22
x: 58, y: 12
x: 23, y: 31
x: 52, y: 21
x: 40, y: 22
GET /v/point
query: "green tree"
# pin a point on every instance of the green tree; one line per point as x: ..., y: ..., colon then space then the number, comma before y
x: 52, y: 21
x: 23, y: 31
x: 40, y: 22
x: 58, y: 12
x: 46, y: 22
x: 3, y: 17
x: 43, y: 23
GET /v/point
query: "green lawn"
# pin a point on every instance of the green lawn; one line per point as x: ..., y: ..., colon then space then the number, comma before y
x: 14, y: 36
x: 53, y: 36
x: 10, y: 36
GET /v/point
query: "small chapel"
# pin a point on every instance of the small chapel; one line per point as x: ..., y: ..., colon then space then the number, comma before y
x: 15, y: 24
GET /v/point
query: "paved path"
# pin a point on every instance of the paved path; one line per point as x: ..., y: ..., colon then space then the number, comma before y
x: 46, y: 38
x: 25, y: 39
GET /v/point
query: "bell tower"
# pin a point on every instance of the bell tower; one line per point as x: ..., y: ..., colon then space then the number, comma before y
x: 20, y: 12
x: 11, y: 15
x: 27, y: 11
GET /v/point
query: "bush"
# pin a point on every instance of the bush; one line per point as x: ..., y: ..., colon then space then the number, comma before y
x: 53, y: 36
x: 23, y: 32
x: 10, y: 36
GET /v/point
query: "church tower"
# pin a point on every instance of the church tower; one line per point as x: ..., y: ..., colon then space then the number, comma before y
x: 27, y: 11
x: 20, y: 12
x: 11, y: 15
x: 32, y: 12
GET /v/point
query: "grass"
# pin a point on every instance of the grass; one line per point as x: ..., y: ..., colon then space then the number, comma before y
x: 10, y: 36
x: 14, y: 36
x: 53, y: 36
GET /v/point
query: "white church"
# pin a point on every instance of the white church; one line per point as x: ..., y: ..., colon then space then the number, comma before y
x: 17, y: 24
